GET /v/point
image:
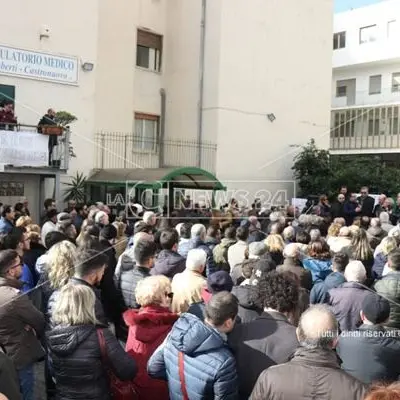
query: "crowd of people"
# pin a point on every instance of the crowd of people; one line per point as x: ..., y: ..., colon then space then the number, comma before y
x: 262, y: 304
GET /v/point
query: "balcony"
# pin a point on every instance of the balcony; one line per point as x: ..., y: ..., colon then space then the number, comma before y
x: 23, y: 147
x: 366, y: 129
x: 126, y: 150
x: 363, y: 98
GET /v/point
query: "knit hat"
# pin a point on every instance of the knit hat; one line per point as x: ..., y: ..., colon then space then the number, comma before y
x: 376, y: 309
x: 219, y: 281
x: 257, y: 249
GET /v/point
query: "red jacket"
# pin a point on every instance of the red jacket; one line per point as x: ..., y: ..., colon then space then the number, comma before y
x: 148, y: 327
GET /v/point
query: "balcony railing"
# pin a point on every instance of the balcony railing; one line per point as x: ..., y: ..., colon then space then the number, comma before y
x: 364, y: 98
x: 23, y: 146
x: 365, y: 128
x: 126, y: 150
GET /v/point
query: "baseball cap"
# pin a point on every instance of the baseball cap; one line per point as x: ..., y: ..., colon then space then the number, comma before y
x: 376, y: 309
x: 219, y: 281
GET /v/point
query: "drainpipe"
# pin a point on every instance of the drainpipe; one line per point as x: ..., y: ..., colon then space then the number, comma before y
x: 201, y: 80
x: 162, y: 127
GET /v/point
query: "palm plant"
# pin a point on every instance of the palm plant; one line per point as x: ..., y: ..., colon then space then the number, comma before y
x: 76, y: 189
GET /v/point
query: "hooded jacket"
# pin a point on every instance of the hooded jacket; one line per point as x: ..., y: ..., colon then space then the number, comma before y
x: 168, y: 263
x: 248, y: 309
x: 208, y: 365
x: 310, y: 374
x: 77, y: 365
x: 148, y: 327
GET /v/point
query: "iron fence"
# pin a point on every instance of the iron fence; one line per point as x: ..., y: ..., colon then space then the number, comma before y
x: 127, y: 150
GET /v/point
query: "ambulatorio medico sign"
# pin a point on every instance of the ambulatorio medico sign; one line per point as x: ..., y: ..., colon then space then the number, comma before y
x: 38, y: 65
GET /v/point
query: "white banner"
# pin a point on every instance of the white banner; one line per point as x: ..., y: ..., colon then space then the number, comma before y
x: 24, y: 149
x: 38, y: 65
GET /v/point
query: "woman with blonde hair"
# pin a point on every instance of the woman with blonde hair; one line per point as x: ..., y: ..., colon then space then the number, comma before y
x: 361, y: 251
x: 81, y: 351
x: 383, y: 391
x: 275, y: 245
x: 148, y: 327
x: 23, y: 221
x: 60, y: 267
x: 387, y: 245
x: 121, y: 240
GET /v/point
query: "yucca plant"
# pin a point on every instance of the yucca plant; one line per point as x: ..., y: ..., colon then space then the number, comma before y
x: 76, y: 189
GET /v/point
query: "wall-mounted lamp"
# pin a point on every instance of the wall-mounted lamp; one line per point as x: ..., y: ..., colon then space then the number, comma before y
x: 44, y: 32
x: 271, y: 117
x: 87, y: 66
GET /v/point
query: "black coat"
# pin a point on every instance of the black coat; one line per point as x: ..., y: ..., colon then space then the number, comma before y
x: 370, y: 354
x: 367, y: 206
x: 111, y: 298
x: 168, y: 263
x: 268, y: 340
x: 9, y: 383
x: 337, y: 210
x: 77, y: 365
x: 30, y: 257
x: 248, y: 307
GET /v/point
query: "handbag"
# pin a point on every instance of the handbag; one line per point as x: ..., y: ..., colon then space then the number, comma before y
x: 120, y: 390
x: 182, y: 376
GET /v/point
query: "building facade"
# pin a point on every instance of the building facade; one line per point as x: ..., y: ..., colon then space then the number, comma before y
x: 366, y: 81
x: 182, y: 83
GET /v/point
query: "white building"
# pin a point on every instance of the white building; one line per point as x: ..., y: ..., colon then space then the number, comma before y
x: 200, y: 83
x: 366, y: 80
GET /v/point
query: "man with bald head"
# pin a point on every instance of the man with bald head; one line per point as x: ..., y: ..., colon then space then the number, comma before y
x: 314, y: 371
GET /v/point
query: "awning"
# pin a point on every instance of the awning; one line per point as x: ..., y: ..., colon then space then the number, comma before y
x: 157, y: 178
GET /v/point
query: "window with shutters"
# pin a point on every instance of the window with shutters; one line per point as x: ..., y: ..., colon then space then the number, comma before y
x: 375, y: 84
x: 149, y: 50
x: 146, y: 131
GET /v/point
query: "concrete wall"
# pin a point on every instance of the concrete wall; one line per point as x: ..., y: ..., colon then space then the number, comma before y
x: 72, y: 33
x: 361, y: 74
x: 384, y: 48
x: 258, y: 76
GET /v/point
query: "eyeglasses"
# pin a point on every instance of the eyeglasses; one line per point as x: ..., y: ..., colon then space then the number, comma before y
x: 169, y: 295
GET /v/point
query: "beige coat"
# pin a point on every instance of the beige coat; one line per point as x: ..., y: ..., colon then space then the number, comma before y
x: 186, y: 287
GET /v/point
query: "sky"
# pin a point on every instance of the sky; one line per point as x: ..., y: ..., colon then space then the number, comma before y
x: 344, y: 5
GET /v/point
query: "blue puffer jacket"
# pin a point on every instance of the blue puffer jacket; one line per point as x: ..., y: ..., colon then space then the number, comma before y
x: 209, y: 366
x: 320, y: 269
